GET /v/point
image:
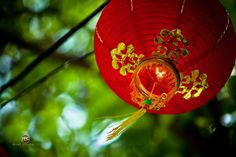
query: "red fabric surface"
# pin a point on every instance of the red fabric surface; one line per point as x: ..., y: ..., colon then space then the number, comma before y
x: 202, y: 22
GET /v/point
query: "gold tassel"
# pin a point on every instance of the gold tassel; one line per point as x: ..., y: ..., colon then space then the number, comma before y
x: 117, y: 130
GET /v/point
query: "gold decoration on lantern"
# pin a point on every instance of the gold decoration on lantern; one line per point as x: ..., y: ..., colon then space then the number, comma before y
x: 138, y: 98
x: 156, y: 70
x: 125, y: 59
x: 171, y: 45
x: 193, y: 85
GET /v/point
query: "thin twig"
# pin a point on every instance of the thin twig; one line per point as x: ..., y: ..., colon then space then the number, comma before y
x: 50, y: 50
x: 34, y: 47
x: 43, y: 79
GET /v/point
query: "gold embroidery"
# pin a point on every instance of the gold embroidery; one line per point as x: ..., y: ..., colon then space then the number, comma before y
x: 171, y: 45
x: 127, y: 61
x: 192, y: 86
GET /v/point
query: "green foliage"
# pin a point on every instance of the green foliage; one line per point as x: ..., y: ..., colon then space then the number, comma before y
x: 65, y: 115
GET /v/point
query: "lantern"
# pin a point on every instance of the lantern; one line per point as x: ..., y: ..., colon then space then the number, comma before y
x: 164, y: 56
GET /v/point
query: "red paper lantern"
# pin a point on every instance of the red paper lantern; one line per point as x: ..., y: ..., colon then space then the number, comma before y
x: 167, y: 56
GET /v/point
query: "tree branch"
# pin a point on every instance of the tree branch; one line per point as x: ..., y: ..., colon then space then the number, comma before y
x: 20, y: 42
x: 43, y: 79
x: 50, y: 50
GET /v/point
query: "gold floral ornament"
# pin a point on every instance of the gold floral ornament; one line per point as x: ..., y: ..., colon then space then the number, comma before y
x: 171, y: 44
x: 192, y: 86
x: 125, y: 59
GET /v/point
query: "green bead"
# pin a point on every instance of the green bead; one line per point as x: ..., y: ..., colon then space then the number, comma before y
x: 147, y: 102
x: 185, y: 52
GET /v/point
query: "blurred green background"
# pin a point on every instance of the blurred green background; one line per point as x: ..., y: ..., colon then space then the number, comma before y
x: 65, y: 115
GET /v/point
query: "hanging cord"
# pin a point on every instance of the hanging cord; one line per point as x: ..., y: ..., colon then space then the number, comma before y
x: 50, y: 50
x: 43, y: 79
